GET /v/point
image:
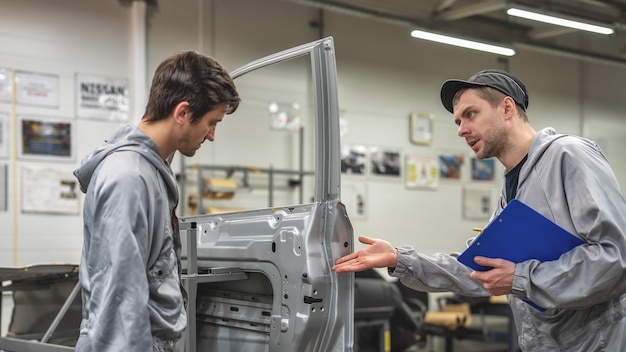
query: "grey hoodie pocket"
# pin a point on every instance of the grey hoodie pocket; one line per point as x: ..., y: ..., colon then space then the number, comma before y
x: 162, y: 268
x: 167, y: 311
x: 164, y: 282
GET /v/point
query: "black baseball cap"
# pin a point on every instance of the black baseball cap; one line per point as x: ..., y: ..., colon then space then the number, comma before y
x: 497, y: 79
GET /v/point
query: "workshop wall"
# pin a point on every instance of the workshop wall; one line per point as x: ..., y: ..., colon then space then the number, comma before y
x: 384, y: 76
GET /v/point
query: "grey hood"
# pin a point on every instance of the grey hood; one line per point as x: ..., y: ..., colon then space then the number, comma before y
x: 126, y: 138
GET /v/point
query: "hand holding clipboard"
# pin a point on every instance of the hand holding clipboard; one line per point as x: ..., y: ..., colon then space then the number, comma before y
x: 517, y: 234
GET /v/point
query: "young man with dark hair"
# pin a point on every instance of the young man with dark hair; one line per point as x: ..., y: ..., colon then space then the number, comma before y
x: 130, y: 270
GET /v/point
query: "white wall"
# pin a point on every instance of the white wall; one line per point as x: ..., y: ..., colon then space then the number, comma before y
x: 61, y: 38
x: 384, y: 75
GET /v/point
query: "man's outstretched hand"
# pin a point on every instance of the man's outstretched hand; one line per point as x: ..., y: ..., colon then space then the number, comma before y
x: 378, y: 254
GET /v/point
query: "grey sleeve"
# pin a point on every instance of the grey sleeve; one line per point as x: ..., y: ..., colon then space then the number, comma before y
x: 438, y: 272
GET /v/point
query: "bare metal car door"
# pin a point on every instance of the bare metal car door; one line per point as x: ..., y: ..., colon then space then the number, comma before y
x: 261, y: 280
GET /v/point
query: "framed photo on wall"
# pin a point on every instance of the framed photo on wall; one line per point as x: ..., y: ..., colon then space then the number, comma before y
x: 4, y: 135
x: 354, y: 197
x: 421, y: 172
x: 478, y: 203
x: 451, y: 166
x: 354, y: 159
x: 385, y: 162
x: 43, y: 138
x: 421, y: 128
x: 483, y: 170
x: 6, y: 84
x: 284, y: 116
x: 4, y: 173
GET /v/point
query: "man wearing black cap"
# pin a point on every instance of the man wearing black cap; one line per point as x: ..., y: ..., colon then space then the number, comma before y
x: 567, y: 179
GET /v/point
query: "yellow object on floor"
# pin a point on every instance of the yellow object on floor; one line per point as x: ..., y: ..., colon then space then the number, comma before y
x: 452, y: 316
x: 498, y: 299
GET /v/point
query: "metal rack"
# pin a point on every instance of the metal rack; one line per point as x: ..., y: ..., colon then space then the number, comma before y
x: 245, y: 171
x: 231, y: 170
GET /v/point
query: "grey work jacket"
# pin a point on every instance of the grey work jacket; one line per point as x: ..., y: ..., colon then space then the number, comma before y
x: 568, y: 180
x: 129, y: 270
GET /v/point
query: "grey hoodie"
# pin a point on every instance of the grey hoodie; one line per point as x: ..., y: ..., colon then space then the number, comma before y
x: 130, y: 263
x: 568, y: 180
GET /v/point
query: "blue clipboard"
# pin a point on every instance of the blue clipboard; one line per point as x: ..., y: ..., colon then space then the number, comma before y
x: 517, y: 234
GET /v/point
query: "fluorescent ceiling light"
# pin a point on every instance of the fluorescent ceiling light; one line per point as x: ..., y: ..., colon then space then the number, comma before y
x: 559, y: 21
x: 500, y: 50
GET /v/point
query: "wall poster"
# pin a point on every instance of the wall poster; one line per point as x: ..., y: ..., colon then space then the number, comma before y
x: 477, y: 203
x: 483, y: 169
x: 50, y: 189
x: 6, y: 85
x: 354, y: 159
x: 4, y: 135
x: 421, y: 128
x: 421, y: 172
x: 451, y: 166
x: 45, y: 138
x: 37, y: 89
x: 385, y: 162
x: 4, y: 176
x: 102, y: 98
x: 284, y: 116
x: 354, y: 197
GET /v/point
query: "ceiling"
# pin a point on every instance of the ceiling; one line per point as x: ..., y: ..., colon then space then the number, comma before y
x: 487, y: 20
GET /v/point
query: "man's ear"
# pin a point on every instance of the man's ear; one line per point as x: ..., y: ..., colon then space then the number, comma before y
x: 509, y: 107
x: 182, y: 112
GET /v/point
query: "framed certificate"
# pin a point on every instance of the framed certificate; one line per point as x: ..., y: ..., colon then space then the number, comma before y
x: 37, y: 89
x: 421, y: 128
x: 44, y: 138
